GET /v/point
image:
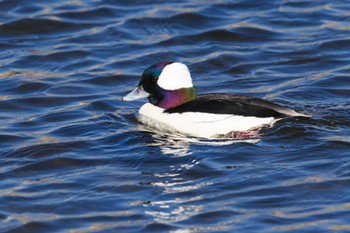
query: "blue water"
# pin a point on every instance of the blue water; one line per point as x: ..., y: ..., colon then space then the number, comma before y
x: 75, y: 159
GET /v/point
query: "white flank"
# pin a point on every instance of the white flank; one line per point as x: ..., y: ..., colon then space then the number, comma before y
x: 206, y: 125
x: 175, y: 76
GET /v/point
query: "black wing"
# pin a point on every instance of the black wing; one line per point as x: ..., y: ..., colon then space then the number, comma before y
x: 234, y: 104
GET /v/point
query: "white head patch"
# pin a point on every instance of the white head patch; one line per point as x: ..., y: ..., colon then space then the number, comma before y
x: 175, y: 76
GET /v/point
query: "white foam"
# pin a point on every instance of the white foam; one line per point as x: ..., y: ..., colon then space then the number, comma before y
x: 175, y: 76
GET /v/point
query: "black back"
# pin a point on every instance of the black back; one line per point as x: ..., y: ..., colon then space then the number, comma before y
x: 231, y: 104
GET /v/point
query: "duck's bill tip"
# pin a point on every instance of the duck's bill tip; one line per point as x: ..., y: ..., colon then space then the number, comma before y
x: 137, y: 93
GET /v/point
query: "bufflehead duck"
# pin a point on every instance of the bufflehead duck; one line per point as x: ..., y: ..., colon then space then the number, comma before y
x: 174, y: 106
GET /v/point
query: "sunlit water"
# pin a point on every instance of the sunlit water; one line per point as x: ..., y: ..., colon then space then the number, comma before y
x: 75, y: 159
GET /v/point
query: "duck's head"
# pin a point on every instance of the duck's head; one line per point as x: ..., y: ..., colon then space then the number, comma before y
x: 165, y: 84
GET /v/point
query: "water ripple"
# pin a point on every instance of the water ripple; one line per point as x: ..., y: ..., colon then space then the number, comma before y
x: 74, y: 158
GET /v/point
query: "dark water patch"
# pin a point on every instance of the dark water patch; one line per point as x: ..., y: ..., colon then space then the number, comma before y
x: 332, y: 45
x: 52, y: 59
x: 50, y: 165
x: 80, y: 130
x: 46, y: 149
x: 28, y: 88
x: 61, y: 55
x: 222, y: 36
x: 154, y: 227
x: 61, y: 116
x: 72, y: 90
x: 7, y: 45
x: 195, y: 21
x: 29, y: 26
x: 212, y: 217
x: 35, y: 226
x: 110, y: 80
x: 74, y: 158
x: 9, y: 140
x: 103, y: 106
x: 91, y: 15
x: 12, y: 106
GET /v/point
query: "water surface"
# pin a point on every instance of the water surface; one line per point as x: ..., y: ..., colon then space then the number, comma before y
x: 75, y: 159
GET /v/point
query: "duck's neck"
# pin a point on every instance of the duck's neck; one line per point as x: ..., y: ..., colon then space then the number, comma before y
x: 177, y: 97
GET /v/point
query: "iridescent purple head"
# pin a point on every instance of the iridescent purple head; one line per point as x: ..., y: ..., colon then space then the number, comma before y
x: 166, y: 84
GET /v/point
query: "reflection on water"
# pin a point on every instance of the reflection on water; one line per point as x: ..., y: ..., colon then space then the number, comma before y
x: 181, y: 195
x: 178, y: 145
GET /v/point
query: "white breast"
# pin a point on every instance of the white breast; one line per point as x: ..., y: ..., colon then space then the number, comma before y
x: 198, y: 124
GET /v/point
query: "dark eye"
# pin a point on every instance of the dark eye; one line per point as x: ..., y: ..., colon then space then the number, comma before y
x: 154, y: 79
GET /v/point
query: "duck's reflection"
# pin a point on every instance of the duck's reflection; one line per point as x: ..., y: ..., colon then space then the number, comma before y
x: 184, y: 183
x: 176, y: 144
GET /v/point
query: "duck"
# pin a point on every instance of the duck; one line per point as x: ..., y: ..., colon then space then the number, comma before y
x: 174, y: 106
